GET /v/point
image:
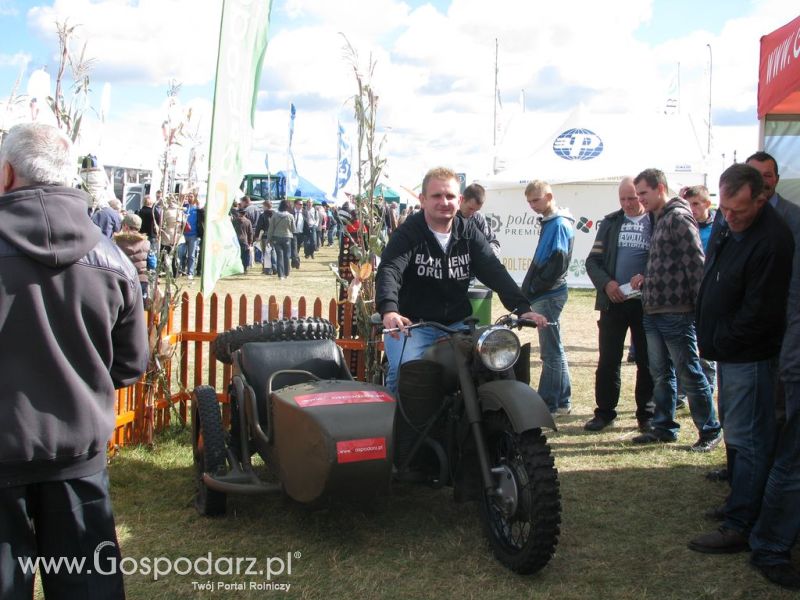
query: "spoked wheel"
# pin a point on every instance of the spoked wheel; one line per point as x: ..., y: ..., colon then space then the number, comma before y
x: 208, y: 445
x: 522, y: 520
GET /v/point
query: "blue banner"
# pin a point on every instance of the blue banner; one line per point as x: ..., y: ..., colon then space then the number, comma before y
x: 342, y: 162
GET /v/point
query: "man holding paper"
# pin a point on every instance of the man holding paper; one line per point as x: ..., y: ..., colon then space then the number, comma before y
x: 620, y: 252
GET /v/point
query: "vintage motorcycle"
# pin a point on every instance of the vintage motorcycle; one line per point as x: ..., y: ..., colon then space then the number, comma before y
x: 465, y: 416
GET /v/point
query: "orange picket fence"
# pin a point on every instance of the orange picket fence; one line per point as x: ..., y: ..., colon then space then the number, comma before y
x: 140, y: 413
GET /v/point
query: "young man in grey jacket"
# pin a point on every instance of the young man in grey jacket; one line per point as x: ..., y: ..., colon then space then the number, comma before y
x: 669, y: 291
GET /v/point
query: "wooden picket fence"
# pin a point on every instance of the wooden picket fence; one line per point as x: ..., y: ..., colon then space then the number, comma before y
x: 196, y: 364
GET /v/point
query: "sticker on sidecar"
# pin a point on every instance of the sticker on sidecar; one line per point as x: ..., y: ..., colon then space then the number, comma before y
x: 352, y: 397
x: 358, y: 450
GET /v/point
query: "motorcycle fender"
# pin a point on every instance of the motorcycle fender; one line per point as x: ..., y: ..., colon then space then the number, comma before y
x: 523, y: 405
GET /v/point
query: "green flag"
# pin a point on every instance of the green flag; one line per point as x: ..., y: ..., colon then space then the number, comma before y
x: 242, y: 42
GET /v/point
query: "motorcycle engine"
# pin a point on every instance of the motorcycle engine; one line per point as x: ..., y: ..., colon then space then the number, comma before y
x: 420, y: 396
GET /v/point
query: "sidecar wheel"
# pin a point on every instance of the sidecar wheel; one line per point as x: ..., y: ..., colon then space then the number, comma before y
x: 522, y: 523
x: 208, y: 446
x: 307, y: 328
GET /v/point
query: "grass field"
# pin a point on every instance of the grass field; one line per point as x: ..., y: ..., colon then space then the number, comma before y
x: 628, y: 512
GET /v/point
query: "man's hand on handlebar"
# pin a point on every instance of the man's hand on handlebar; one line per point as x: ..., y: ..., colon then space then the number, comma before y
x: 394, y: 320
x: 540, y: 320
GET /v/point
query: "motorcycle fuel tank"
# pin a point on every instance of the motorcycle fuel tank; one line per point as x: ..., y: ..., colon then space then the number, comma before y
x: 333, y: 438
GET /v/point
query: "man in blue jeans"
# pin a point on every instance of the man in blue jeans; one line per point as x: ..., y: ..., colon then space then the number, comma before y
x: 425, y: 272
x: 741, y: 312
x: 669, y: 287
x: 545, y: 286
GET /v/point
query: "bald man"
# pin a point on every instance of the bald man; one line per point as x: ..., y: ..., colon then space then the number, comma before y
x: 620, y: 252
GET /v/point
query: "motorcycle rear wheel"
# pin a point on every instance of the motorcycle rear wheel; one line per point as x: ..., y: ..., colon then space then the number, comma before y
x: 522, y: 524
x: 208, y: 446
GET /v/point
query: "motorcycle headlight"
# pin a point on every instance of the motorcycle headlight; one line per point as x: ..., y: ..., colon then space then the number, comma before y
x: 498, y: 348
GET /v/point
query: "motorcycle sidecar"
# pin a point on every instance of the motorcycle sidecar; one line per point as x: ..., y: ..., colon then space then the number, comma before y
x: 295, y: 403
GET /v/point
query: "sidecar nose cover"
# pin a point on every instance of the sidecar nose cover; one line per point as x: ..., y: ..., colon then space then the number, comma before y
x: 333, y: 438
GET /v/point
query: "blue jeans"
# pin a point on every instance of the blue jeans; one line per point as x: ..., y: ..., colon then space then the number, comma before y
x: 408, y: 347
x: 747, y: 406
x: 778, y: 525
x: 554, y: 383
x: 192, y: 247
x: 672, y: 349
x: 283, y: 252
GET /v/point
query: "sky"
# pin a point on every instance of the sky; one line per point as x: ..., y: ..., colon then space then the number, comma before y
x: 434, y: 72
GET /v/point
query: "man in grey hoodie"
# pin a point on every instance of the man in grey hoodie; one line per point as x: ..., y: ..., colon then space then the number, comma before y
x: 71, y: 330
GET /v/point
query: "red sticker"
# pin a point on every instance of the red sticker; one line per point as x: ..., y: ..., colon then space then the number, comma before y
x: 353, y: 397
x: 358, y: 450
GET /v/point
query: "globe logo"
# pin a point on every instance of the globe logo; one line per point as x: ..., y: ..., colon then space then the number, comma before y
x: 578, y: 144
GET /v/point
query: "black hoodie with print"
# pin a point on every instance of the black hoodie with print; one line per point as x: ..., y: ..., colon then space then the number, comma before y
x: 419, y: 280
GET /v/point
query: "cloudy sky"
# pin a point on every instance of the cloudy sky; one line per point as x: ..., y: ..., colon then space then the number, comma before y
x: 434, y: 70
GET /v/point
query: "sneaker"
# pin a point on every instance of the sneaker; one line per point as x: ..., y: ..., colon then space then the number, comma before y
x: 651, y: 437
x: 563, y: 410
x: 721, y: 541
x: 783, y: 574
x: 597, y: 424
x: 191, y: 277
x: 706, y: 444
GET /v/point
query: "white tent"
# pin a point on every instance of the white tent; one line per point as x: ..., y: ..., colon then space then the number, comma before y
x: 583, y: 159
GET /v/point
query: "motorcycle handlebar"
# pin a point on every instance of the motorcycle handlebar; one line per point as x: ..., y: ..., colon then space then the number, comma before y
x: 512, y: 321
x: 433, y: 324
x: 509, y: 321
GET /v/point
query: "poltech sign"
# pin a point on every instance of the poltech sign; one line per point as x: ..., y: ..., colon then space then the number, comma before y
x: 517, y: 227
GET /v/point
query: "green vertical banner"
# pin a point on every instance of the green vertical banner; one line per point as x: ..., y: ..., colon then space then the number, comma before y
x: 242, y: 43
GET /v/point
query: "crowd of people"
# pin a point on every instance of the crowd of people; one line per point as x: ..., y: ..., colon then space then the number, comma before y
x: 275, y: 238
x: 711, y: 299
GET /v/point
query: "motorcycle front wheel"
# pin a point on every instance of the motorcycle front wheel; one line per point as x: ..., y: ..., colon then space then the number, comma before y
x: 521, y: 520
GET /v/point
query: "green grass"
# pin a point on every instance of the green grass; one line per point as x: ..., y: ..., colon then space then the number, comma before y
x: 628, y: 512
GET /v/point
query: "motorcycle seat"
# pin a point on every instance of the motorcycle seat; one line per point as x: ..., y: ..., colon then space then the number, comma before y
x: 258, y: 361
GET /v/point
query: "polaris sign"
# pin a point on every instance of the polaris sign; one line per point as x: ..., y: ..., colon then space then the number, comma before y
x: 578, y: 144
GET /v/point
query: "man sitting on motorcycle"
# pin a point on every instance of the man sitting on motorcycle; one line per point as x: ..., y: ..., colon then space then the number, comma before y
x: 425, y: 271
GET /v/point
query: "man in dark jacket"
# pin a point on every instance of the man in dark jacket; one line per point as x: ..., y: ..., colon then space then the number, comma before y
x: 778, y: 525
x: 71, y: 330
x: 151, y: 221
x: 474, y: 196
x: 244, y: 234
x: 620, y: 252
x: 741, y: 313
x: 425, y: 271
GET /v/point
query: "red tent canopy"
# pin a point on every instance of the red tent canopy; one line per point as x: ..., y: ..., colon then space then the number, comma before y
x: 779, y: 71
